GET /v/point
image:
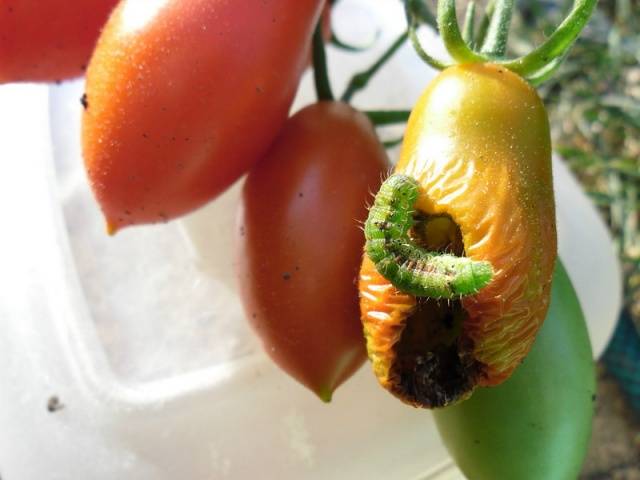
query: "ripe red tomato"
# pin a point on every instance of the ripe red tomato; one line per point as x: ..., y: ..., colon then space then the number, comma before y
x: 300, y: 242
x: 184, y: 96
x: 48, y: 40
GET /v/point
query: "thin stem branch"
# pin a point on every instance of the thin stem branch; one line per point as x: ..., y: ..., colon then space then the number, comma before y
x: 469, y: 24
x: 422, y: 13
x: 387, y: 117
x: 484, y: 23
x: 547, y: 72
x: 557, y: 44
x: 337, y: 42
x: 450, y: 32
x: 495, y: 43
x: 392, y: 143
x: 360, y: 80
x: 413, y: 18
x: 320, y: 74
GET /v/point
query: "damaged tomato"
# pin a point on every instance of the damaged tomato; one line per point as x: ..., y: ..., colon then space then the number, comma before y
x: 461, y: 244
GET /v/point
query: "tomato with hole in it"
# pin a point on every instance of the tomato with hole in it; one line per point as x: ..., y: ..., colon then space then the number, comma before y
x: 184, y: 96
x: 48, y: 40
x: 300, y: 243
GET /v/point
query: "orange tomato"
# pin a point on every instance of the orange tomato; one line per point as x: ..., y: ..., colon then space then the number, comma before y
x: 478, y: 145
x: 183, y: 97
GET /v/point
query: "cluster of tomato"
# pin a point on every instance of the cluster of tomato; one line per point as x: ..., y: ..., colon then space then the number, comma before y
x: 184, y: 98
x: 182, y: 101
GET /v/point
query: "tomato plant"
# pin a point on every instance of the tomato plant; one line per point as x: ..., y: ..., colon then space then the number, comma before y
x: 48, y: 40
x: 300, y: 243
x: 183, y: 97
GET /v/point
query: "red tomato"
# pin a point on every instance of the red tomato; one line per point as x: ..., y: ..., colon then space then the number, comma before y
x: 184, y: 96
x: 300, y: 242
x: 48, y: 40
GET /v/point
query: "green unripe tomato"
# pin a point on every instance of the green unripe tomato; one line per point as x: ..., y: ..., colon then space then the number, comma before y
x: 537, y: 424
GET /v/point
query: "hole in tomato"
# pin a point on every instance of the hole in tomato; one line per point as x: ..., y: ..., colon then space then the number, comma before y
x: 434, y: 365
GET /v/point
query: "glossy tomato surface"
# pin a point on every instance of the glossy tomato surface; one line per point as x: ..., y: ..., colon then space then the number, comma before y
x: 184, y: 96
x: 300, y: 242
x: 48, y: 40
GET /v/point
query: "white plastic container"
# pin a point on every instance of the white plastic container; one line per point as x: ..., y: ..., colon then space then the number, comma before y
x: 142, y: 339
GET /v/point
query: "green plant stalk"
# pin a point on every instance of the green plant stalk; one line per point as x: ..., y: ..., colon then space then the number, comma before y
x: 547, y: 72
x: 392, y: 143
x: 422, y: 13
x: 450, y: 32
x: 413, y: 23
x: 469, y: 24
x: 541, y: 59
x: 557, y: 44
x: 338, y: 43
x: 360, y: 80
x: 387, y: 117
x: 417, y: 46
x: 484, y: 23
x: 320, y: 74
x: 495, y: 44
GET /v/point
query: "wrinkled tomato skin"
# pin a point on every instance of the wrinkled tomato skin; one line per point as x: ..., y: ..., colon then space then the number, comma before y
x: 300, y: 243
x: 183, y: 97
x: 478, y: 144
x: 48, y: 40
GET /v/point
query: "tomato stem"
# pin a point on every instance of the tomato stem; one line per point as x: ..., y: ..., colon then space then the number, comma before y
x: 342, y: 45
x: 469, y: 24
x: 413, y: 21
x: 422, y: 13
x: 393, y: 142
x: 557, y: 44
x: 387, y: 117
x: 547, y: 72
x: 320, y: 74
x: 360, y: 80
x: 450, y: 32
x: 495, y: 44
x: 485, y: 22
x: 537, y: 66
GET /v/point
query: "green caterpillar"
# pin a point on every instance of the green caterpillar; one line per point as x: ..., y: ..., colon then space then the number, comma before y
x: 410, y: 268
